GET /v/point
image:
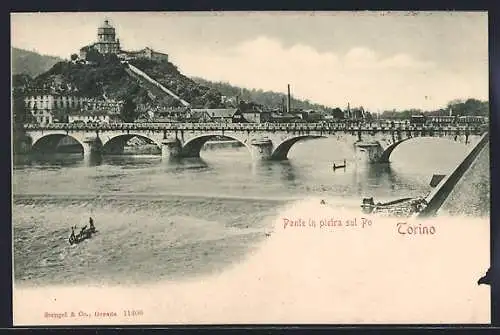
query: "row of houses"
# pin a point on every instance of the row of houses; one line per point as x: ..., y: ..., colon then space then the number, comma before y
x: 222, y: 115
x: 83, y: 111
x: 60, y: 108
x: 225, y: 115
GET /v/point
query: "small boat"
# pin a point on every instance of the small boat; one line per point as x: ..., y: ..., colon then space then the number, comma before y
x: 82, y: 236
x: 404, y: 207
x: 339, y: 166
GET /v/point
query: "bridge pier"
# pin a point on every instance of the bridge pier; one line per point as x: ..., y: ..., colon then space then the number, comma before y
x: 370, y: 152
x: 261, y: 149
x: 170, y: 148
x: 22, y: 145
x: 92, y: 149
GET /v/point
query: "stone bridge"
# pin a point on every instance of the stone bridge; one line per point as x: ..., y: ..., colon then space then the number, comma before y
x: 373, y: 142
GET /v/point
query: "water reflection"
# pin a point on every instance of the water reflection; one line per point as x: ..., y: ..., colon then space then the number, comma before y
x: 53, y: 160
x: 125, y: 161
x: 93, y: 160
x: 191, y: 163
x: 230, y: 171
x: 382, y: 177
x: 275, y: 170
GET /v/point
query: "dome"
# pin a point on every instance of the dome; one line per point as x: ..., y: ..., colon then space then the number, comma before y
x: 106, y: 25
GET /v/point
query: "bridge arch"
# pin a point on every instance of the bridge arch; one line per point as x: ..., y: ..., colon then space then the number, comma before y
x: 192, y: 147
x: 49, y: 143
x: 115, y: 144
x: 281, y: 151
x: 384, y: 157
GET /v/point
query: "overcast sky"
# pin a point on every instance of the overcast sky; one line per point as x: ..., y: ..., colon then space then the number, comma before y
x: 378, y: 60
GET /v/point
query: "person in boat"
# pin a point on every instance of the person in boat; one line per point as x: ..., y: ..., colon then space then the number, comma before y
x: 368, y: 202
x: 72, y: 236
x: 423, y: 203
x: 323, y: 202
x: 83, y: 229
x: 91, y: 224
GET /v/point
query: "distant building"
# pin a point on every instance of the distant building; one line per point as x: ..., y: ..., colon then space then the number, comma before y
x: 95, y: 116
x: 255, y: 116
x: 46, y: 107
x: 109, y: 106
x: 147, y: 53
x: 312, y: 115
x: 285, y: 118
x: 107, y: 43
x: 197, y: 116
x: 442, y: 119
x: 53, y: 107
x: 223, y: 115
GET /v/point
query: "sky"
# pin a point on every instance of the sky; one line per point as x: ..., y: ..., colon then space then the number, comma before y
x: 378, y: 60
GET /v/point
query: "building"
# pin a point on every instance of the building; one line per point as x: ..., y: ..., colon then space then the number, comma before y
x: 47, y: 108
x: 109, y: 106
x: 54, y: 101
x: 197, y: 116
x: 222, y: 115
x: 311, y: 115
x: 107, y: 43
x: 285, y: 118
x: 442, y: 119
x: 417, y: 119
x: 94, y: 116
x: 255, y: 116
x: 54, y: 108
x: 146, y: 53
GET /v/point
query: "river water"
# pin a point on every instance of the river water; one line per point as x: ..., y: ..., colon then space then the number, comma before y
x: 176, y: 222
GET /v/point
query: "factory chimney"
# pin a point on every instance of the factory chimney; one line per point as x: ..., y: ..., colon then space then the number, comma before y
x: 288, y: 101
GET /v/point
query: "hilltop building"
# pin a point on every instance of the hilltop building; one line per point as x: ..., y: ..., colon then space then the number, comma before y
x: 147, y: 53
x: 107, y: 43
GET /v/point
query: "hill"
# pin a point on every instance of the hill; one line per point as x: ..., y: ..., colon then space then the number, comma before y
x: 265, y: 98
x: 107, y: 76
x: 167, y: 74
x: 31, y: 63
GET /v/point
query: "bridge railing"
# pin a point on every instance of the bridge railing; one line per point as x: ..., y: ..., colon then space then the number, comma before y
x: 320, y: 127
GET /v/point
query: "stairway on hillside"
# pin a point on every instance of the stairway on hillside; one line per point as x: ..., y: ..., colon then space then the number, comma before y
x: 152, y: 85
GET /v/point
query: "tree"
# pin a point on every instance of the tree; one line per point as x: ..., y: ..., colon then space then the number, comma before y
x: 128, y: 112
x: 94, y: 56
x: 338, y: 113
x: 21, y: 114
x: 21, y: 80
x: 74, y: 57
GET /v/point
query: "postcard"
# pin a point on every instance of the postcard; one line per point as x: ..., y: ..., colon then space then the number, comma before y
x: 250, y: 168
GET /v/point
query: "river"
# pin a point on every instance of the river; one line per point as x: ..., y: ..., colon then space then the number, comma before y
x: 176, y: 222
